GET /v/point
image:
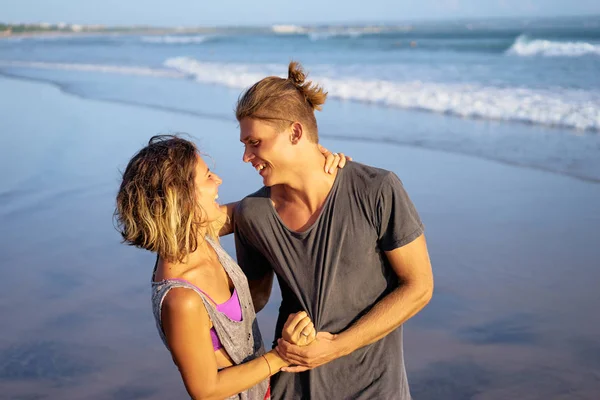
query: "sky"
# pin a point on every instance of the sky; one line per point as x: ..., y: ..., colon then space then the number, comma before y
x: 265, y: 12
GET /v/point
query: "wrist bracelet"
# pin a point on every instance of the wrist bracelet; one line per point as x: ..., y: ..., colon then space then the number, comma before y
x: 269, y: 365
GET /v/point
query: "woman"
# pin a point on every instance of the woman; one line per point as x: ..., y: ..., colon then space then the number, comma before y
x: 201, y: 301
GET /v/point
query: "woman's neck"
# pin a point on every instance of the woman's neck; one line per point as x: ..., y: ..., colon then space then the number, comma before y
x: 204, y: 254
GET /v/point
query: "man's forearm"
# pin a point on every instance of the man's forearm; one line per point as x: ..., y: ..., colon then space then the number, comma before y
x: 412, y: 266
x: 388, y: 314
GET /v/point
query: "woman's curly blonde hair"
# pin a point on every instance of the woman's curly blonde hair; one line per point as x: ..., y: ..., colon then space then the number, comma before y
x: 156, y: 208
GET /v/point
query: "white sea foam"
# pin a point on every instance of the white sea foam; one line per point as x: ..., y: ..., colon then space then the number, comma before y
x: 347, y: 32
x: 287, y: 29
x: 114, y: 69
x: 176, y: 39
x: 524, y: 46
x: 578, y: 109
x: 323, y: 35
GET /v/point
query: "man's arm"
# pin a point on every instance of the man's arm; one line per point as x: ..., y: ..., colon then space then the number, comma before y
x: 412, y: 266
x: 260, y: 290
x: 256, y: 267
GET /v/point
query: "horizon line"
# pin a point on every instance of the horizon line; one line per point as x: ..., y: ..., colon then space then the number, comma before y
x: 313, y: 24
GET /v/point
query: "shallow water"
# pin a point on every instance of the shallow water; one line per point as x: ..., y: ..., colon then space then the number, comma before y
x: 524, y: 92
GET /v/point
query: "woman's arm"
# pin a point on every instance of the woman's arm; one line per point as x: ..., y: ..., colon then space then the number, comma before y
x: 226, y: 227
x: 187, y: 326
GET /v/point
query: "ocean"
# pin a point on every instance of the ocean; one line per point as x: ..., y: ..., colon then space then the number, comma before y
x: 503, y: 83
x: 492, y: 125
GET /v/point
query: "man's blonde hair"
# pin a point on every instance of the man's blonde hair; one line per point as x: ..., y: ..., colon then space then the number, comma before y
x: 282, y: 101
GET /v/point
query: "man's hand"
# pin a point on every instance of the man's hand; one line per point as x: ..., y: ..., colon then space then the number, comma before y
x: 299, y: 329
x: 321, y: 351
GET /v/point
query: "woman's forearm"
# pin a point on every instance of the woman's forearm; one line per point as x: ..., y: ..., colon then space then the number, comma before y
x: 227, y: 227
x: 236, y: 379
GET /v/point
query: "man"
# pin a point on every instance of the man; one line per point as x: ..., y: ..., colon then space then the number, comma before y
x: 348, y: 248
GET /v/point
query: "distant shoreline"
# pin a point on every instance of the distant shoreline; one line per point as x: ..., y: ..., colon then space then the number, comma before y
x: 55, y: 30
x: 166, y: 31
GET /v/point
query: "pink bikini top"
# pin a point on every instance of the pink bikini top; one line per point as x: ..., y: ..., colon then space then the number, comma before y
x: 230, y: 308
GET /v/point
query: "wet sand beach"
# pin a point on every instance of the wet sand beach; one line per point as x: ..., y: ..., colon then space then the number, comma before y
x: 515, y: 252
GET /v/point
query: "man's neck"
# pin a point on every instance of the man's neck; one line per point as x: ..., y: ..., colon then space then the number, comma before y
x: 308, y: 186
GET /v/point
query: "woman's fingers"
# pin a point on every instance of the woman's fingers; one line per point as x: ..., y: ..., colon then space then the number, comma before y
x: 331, y: 163
x: 312, y: 336
x: 342, y: 162
x: 307, y: 335
x: 302, y: 329
x: 333, y: 160
x: 291, y: 323
x: 299, y: 316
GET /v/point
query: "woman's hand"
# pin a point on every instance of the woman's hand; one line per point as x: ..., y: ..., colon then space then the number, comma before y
x: 299, y: 329
x: 333, y: 160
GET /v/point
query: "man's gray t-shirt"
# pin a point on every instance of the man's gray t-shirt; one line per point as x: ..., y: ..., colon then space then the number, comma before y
x: 336, y: 270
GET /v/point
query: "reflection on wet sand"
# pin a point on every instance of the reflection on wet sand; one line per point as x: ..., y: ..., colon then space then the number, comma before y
x: 513, y: 315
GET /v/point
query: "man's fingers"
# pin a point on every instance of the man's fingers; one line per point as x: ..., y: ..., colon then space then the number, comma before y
x: 282, y: 355
x: 295, y: 369
x: 325, y: 335
x: 294, y: 360
x: 289, y: 349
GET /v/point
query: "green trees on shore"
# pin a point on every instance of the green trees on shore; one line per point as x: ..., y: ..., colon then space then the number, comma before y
x: 20, y: 28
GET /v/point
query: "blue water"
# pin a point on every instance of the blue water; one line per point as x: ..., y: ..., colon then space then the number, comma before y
x: 535, y: 84
x: 514, y: 249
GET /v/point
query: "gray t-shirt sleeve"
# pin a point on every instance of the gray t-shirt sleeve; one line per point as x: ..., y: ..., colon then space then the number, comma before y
x: 252, y: 262
x: 398, y: 220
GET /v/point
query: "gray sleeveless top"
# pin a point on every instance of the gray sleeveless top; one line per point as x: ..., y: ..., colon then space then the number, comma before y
x: 241, y: 339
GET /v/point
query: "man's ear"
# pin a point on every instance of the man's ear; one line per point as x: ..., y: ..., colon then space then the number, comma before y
x: 296, y: 132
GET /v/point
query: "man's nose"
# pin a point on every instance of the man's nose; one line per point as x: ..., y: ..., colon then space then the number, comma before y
x: 247, y: 155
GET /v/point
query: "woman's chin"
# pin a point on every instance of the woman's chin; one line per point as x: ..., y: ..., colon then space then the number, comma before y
x: 221, y: 213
